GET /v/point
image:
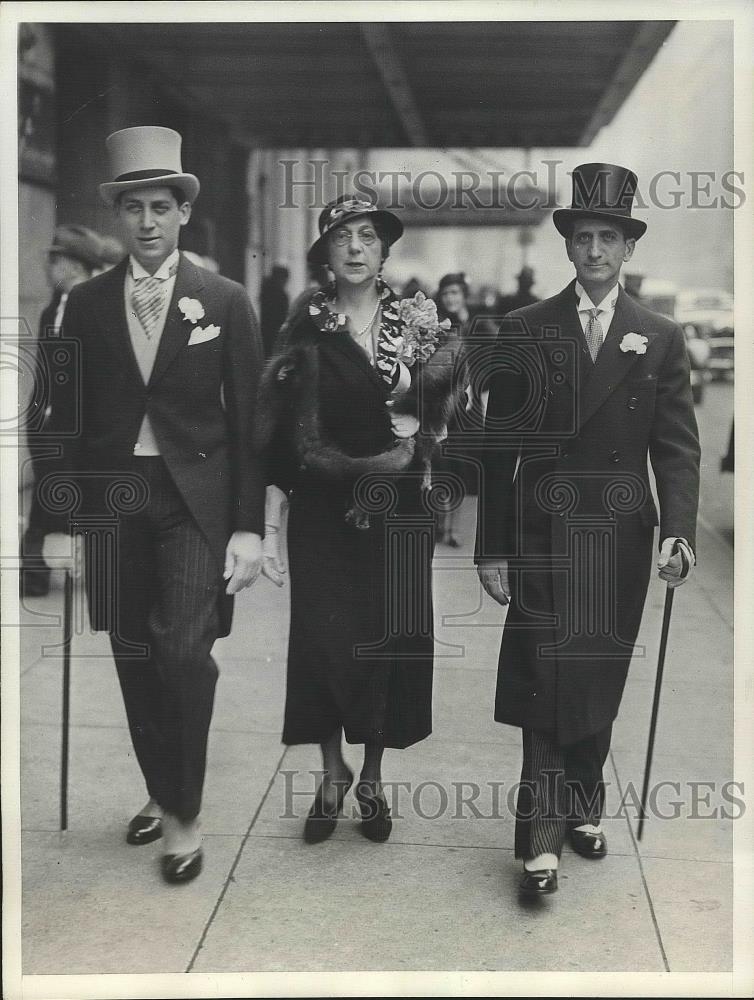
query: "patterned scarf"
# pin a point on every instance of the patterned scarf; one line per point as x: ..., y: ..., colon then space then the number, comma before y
x: 389, y: 338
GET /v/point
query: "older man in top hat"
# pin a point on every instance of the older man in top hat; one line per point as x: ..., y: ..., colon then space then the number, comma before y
x: 170, y: 355
x: 72, y: 258
x: 585, y: 387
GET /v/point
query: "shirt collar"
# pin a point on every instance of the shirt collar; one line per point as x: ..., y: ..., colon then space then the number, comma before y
x: 607, y: 304
x: 162, y: 272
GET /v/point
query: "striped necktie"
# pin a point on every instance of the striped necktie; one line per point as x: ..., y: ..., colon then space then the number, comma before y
x: 594, y: 333
x: 147, y: 298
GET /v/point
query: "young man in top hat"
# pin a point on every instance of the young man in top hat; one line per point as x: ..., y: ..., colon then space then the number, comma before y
x: 585, y: 387
x: 170, y: 355
x: 75, y: 254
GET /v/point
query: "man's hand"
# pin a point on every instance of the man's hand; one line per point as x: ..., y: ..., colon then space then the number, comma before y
x: 671, y: 566
x: 405, y: 425
x: 273, y: 566
x: 494, y: 579
x: 243, y: 561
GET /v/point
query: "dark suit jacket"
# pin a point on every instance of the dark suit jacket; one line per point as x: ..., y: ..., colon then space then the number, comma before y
x: 578, y: 519
x: 200, y: 398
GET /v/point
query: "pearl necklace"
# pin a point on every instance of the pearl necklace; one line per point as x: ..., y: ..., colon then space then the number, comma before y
x: 365, y: 330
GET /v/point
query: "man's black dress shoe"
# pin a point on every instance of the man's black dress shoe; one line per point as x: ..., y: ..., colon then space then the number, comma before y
x: 588, y: 845
x: 538, y: 883
x: 376, y: 821
x: 323, y: 817
x: 143, y: 830
x: 182, y: 867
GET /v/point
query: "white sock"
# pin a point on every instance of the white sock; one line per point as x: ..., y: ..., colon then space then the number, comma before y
x: 541, y: 862
x: 589, y: 828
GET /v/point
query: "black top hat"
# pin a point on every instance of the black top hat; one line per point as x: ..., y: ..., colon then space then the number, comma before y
x: 344, y: 209
x: 601, y: 191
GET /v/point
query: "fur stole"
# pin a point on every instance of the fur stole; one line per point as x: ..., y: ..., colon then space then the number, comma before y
x: 288, y: 410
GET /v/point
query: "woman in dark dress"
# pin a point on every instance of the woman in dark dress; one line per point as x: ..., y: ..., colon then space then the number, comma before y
x: 348, y: 418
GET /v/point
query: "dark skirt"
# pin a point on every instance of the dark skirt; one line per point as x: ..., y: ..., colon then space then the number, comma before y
x: 361, y: 637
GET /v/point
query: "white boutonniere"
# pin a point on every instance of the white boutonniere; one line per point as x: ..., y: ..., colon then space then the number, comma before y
x: 634, y: 342
x: 192, y: 309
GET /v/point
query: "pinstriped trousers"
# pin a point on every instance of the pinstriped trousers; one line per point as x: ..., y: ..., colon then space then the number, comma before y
x: 168, y: 588
x: 561, y: 787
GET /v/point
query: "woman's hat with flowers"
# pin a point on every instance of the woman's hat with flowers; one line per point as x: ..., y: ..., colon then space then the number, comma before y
x: 345, y: 208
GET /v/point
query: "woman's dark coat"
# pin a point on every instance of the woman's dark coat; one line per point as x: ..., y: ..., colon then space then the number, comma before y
x: 361, y: 637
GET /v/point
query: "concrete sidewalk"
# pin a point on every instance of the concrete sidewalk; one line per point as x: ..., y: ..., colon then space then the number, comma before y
x: 440, y: 895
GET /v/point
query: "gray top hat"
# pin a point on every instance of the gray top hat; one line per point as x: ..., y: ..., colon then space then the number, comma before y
x: 146, y: 156
x: 601, y: 191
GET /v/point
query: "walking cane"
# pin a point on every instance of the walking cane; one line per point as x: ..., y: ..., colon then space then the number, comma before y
x: 669, y: 592
x: 66, y: 716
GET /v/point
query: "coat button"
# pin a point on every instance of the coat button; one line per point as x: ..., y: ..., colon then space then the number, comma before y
x: 632, y: 403
x: 615, y: 456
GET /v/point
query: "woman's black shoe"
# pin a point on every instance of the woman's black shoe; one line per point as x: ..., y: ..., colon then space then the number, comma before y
x: 376, y: 822
x: 539, y: 883
x: 322, y: 818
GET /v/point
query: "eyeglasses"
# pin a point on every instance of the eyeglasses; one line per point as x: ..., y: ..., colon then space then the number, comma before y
x: 342, y: 237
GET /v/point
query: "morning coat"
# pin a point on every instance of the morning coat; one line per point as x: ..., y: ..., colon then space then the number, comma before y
x: 200, y: 399
x: 567, y: 499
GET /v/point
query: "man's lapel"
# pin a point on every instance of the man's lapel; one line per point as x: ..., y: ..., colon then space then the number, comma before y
x: 113, y: 325
x: 177, y: 330
x: 570, y: 329
x: 612, y: 363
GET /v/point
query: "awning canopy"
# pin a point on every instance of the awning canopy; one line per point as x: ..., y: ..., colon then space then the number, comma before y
x: 378, y: 84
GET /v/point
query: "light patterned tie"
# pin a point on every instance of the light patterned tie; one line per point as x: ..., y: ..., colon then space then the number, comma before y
x: 147, y: 299
x: 594, y: 333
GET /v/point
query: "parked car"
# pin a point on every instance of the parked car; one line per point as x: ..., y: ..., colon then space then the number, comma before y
x: 664, y: 297
x: 708, y: 314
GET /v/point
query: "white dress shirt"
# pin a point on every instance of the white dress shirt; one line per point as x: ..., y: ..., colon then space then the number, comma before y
x: 606, y: 308
x: 58, y: 321
x: 145, y: 348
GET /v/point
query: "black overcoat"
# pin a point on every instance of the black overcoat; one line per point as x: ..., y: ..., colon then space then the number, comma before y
x: 361, y: 640
x: 567, y: 499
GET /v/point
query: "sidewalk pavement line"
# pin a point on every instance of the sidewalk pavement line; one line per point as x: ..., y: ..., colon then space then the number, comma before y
x: 712, y: 530
x: 233, y: 867
x: 708, y: 594
x: 647, y: 893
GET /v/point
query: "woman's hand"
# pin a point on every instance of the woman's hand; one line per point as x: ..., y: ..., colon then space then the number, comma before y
x: 405, y: 425
x: 273, y: 566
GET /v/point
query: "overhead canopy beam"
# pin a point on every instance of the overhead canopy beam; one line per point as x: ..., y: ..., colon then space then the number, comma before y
x: 382, y: 50
x: 647, y: 41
